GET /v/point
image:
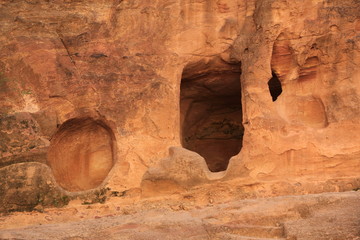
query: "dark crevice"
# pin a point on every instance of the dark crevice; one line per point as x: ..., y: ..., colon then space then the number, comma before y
x: 275, y: 87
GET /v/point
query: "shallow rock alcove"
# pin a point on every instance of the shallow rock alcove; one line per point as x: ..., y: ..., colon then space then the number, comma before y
x: 81, y: 154
x: 211, y: 111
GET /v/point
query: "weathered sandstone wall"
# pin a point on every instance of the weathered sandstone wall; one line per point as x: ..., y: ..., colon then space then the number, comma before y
x: 93, y: 94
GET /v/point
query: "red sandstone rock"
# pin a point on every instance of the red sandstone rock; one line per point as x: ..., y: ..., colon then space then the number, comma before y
x: 262, y: 91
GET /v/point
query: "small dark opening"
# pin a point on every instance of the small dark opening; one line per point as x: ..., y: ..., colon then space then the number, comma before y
x: 274, y: 86
x: 211, y: 112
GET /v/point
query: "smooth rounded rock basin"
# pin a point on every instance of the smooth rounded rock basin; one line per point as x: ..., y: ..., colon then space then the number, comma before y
x: 81, y: 154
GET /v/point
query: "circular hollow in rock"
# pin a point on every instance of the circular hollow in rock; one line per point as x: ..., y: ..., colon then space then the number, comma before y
x: 81, y: 154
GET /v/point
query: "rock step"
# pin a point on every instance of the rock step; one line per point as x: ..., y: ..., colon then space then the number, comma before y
x: 229, y: 236
x: 258, y: 218
x: 248, y: 230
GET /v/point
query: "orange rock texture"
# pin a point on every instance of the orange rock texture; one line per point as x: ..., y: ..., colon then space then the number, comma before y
x: 155, y: 97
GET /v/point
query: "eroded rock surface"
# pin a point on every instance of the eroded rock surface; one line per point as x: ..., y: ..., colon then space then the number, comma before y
x: 93, y: 94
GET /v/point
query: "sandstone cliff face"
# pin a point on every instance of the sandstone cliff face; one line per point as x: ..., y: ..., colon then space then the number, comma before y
x: 94, y: 93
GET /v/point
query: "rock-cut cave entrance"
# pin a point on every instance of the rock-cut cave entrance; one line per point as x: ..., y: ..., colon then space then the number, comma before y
x: 211, y: 111
x: 81, y: 154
